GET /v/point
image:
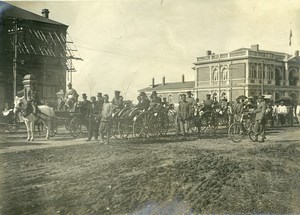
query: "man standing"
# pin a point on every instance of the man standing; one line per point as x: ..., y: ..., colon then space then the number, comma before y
x: 100, y: 100
x: 93, y: 113
x: 282, y: 112
x: 260, y: 122
x: 183, y: 114
x: 106, y: 116
x: 118, y: 100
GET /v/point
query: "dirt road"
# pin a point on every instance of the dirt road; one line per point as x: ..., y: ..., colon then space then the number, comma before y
x: 162, y: 176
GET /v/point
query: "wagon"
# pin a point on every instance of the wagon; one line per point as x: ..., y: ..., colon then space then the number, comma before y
x: 74, y: 121
x: 8, y: 122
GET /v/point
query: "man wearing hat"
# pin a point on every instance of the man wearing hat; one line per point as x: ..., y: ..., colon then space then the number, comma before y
x: 84, y: 105
x: 118, y: 100
x: 71, y: 96
x: 144, y: 103
x: 260, y: 121
x: 154, y: 98
x: 93, y: 113
x: 100, y: 100
x: 208, y: 102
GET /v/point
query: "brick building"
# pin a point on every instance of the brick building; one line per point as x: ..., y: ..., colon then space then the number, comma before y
x: 250, y: 72
x: 171, y: 90
x: 39, y: 46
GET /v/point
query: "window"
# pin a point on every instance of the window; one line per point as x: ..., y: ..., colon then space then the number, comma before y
x: 215, y: 74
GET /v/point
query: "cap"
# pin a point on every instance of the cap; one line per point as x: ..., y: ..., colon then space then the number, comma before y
x: 69, y: 84
x: 93, y: 97
x: 143, y: 94
x: 189, y: 92
x: 84, y: 95
x: 154, y: 93
x: 208, y: 95
x: 99, y: 94
x: 117, y: 92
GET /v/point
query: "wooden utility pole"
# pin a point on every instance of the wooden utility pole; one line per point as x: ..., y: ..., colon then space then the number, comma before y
x: 15, y: 59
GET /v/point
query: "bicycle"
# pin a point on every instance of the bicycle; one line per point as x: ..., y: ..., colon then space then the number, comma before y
x: 238, y: 130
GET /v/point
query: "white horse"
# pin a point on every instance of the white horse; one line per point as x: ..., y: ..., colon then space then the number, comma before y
x: 43, y: 114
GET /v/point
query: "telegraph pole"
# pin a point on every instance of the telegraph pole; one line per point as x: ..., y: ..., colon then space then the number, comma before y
x: 15, y: 32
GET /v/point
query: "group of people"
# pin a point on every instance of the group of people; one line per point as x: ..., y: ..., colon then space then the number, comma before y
x: 99, y: 110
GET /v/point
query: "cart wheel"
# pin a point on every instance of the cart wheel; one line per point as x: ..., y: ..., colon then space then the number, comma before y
x: 236, y: 132
x: 164, y: 125
x: 139, y: 126
x: 75, y: 127
x: 114, y: 130
x: 152, y: 126
x: 125, y: 129
x: 13, y: 128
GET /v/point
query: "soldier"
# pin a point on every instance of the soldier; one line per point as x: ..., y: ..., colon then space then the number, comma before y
x: 118, y: 100
x: 100, y: 99
x: 189, y: 98
x: 84, y: 105
x: 106, y: 116
x: 144, y: 104
x: 93, y: 113
x: 154, y: 98
x: 183, y: 114
x: 260, y: 122
x: 71, y: 96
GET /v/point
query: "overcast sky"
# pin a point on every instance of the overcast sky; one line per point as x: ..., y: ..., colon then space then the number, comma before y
x: 124, y: 43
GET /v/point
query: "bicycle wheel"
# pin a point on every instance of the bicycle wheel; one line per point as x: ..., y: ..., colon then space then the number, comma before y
x: 139, y: 126
x: 236, y: 132
x: 252, y: 132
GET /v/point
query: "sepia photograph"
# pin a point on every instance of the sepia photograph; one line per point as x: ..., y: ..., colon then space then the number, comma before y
x: 149, y: 107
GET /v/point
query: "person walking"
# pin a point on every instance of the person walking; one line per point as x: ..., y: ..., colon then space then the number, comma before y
x: 260, y: 121
x: 93, y: 112
x: 106, y: 117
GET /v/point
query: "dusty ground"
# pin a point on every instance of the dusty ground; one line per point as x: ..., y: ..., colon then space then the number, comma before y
x: 167, y: 176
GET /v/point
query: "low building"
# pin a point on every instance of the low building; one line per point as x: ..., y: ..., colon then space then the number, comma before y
x: 31, y: 44
x: 171, y: 91
x: 248, y: 71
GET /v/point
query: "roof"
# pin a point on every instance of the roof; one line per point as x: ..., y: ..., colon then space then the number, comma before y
x: 9, y: 10
x: 171, y: 86
x: 273, y: 52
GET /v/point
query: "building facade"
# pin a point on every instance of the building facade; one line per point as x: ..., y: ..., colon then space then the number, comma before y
x: 171, y: 91
x: 31, y: 44
x: 249, y: 72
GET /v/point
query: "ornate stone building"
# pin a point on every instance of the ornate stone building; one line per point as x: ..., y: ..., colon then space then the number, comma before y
x: 248, y: 72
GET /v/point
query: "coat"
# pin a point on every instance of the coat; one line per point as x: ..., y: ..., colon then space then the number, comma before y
x: 260, y: 111
x: 184, y: 110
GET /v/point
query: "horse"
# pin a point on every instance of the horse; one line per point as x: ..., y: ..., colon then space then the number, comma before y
x: 43, y: 114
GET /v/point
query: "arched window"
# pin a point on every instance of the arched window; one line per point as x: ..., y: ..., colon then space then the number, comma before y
x: 277, y: 76
x: 293, y: 77
x: 215, y: 75
x: 224, y: 74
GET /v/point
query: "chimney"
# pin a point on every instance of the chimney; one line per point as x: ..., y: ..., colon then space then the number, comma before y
x: 182, y: 78
x: 45, y: 13
x: 208, y: 52
x: 297, y: 53
x: 153, y: 82
x: 255, y: 47
x: 164, y: 80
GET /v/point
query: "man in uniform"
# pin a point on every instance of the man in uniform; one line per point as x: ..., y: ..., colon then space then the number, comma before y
x: 71, y: 96
x: 100, y: 100
x: 118, y: 100
x: 260, y: 122
x: 84, y: 105
x: 93, y: 113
